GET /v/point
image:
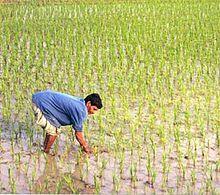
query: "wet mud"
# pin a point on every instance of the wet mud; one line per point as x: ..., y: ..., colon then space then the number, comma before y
x: 24, y: 168
x: 70, y: 172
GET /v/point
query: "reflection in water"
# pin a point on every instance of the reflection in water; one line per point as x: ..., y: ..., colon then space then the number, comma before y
x: 52, y: 181
x: 47, y: 182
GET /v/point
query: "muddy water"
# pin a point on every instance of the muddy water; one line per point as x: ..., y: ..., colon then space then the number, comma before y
x: 31, y: 171
x: 24, y: 168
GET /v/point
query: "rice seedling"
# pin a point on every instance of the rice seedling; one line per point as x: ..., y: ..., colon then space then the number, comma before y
x: 102, y: 168
x: 11, y: 180
x: 165, y: 166
x: 153, y: 177
x: 18, y: 160
x: 121, y: 161
x: 116, y: 182
x: 153, y: 146
x: 87, y: 162
x: 194, y: 156
x: 133, y: 173
x: 70, y: 183
x: 193, y: 177
x: 59, y: 187
x: 97, y: 184
x: 148, y: 164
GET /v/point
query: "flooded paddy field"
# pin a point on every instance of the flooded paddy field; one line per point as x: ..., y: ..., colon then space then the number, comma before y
x: 25, y: 168
x: 156, y: 67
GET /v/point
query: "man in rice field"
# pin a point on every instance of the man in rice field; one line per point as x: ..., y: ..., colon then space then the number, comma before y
x: 54, y: 109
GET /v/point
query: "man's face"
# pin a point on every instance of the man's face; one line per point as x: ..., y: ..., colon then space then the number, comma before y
x: 91, y: 109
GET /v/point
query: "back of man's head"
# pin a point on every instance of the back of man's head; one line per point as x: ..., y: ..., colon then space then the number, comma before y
x: 95, y: 100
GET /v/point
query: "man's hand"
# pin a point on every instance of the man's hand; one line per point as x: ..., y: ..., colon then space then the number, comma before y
x: 88, y: 150
x: 82, y: 142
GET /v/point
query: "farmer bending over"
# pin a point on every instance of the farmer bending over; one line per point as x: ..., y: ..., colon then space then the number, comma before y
x: 54, y: 109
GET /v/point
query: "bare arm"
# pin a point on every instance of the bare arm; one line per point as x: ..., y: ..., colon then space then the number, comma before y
x: 82, y: 142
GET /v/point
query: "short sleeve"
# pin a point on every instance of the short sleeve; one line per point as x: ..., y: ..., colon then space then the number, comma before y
x: 77, y: 119
x: 77, y: 127
x: 77, y: 114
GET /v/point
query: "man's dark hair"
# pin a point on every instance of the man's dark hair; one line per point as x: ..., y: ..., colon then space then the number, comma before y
x: 95, y: 100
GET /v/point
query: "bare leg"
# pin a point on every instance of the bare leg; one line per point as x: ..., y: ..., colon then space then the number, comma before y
x: 49, y: 140
x: 46, y: 140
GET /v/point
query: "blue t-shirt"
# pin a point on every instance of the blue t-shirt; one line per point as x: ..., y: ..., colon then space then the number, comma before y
x: 61, y: 109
